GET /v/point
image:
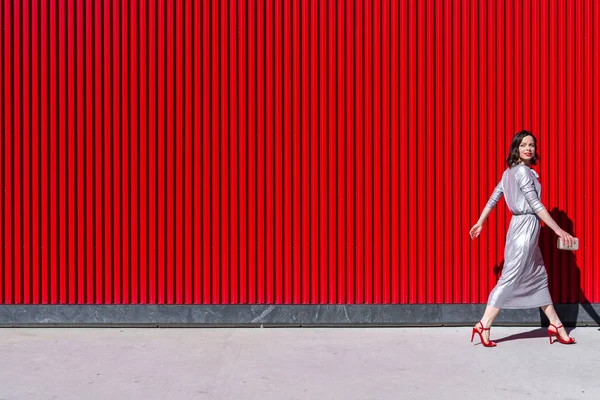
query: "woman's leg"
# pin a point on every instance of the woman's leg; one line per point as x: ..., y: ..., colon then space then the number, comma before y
x: 554, y: 320
x: 488, y: 318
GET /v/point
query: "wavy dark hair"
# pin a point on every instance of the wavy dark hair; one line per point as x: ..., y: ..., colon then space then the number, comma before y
x: 513, y: 154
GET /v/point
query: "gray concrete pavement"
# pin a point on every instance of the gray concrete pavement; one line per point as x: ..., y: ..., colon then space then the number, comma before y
x: 295, y: 363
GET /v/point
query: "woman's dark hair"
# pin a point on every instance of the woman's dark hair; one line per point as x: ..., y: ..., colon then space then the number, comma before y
x: 513, y: 154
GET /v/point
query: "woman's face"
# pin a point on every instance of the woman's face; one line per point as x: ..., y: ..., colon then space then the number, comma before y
x: 527, y: 149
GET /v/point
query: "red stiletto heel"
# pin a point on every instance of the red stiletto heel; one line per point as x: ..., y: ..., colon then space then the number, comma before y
x: 560, y: 339
x: 479, y: 332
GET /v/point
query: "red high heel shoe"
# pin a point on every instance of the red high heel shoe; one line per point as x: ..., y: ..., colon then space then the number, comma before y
x: 479, y: 332
x: 560, y: 339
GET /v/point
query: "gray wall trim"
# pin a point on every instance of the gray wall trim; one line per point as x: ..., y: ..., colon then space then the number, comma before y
x: 268, y: 315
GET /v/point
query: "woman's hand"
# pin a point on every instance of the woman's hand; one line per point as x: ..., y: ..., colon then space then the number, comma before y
x: 475, y: 231
x: 567, y: 239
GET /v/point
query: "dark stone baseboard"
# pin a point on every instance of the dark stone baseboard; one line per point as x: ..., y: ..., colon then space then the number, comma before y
x: 271, y: 315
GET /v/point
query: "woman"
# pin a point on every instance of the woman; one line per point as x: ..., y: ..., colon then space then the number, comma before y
x: 524, y: 281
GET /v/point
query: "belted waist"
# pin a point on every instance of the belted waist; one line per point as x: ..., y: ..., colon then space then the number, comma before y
x: 524, y: 213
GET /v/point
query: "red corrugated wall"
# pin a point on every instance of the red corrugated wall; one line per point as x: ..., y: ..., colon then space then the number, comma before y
x: 248, y: 151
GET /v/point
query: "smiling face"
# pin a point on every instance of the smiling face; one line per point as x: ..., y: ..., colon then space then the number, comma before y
x: 527, y: 149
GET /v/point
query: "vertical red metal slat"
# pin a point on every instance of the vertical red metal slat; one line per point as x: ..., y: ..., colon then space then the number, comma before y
x: 92, y: 167
x: 269, y: 153
x: 225, y: 177
x: 261, y: 154
x: 71, y: 156
x: 27, y: 184
x: 395, y: 237
x: 216, y: 205
x: 428, y: 145
x: 402, y: 156
x: 476, y: 205
x: 385, y: 156
x: 368, y: 150
x: 509, y: 119
x: 132, y: 279
x: 420, y: 173
x: 342, y: 136
x: 107, y: 150
x: 482, y: 126
x: 304, y: 120
x: 53, y: 171
x: 447, y: 158
x: 189, y: 276
x: 234, y: 194
x: 518, y: 63
x: 35, y: 99
x: 152, y: 100
x: 376, y: 151
x: 278, y: 138
x: 160, y: 13
x: 89, y: 137
x: 312, y: 95
x: 454, y: 89
x: 411, y: 145
x: 179, y: 168
x: 126, y: 99
x: 206, y: 137
x: 322, y: 164
x: 331, y: 150
x: 197, y: 133
x: 287, y: 138
x: 437, y: 148
x: 576, y: 284
x: 118, y: 284
x: 242, y: 13
x: 252, y: 152
x: 359, y: 139
x: 98, y: 168
x: 284, y: 266
x: 527, y: 65
x: 295, y: 295
x: 139, y: 287
x: 171, y: 134
x: 17, y: 142
x: 466, y: 143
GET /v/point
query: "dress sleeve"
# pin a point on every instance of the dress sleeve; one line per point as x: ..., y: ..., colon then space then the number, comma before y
x: 496, y: 196
x: 527, y: 186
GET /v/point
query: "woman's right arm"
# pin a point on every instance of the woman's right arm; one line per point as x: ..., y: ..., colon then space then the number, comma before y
x: 491, y: 203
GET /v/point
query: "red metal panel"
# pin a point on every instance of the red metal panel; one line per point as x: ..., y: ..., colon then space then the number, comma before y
x: 172, y: 151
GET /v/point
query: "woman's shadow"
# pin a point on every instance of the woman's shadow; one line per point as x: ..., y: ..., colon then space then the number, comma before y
x: 564, y: 280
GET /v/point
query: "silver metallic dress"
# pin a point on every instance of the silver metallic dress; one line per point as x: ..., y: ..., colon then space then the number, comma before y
x: 524, y: 281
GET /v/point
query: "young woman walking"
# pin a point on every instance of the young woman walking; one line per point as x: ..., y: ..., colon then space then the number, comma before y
x: 524, y: 281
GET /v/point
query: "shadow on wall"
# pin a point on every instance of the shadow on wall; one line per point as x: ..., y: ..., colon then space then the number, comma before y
x: 564, y: 275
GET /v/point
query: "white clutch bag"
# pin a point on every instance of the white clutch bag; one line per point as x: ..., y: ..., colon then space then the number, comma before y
x: 574, y: 247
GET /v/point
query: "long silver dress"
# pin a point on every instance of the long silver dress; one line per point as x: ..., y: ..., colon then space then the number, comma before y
x: 524, y: 281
